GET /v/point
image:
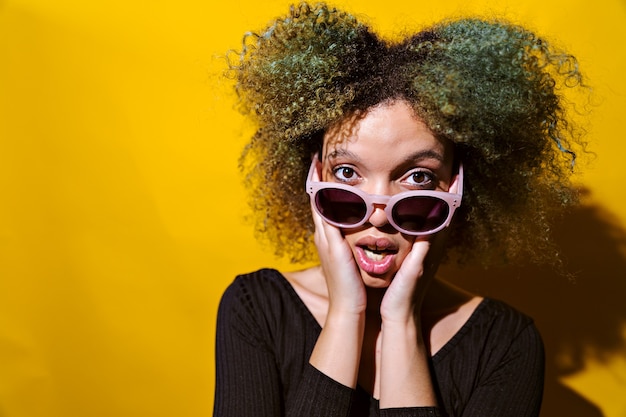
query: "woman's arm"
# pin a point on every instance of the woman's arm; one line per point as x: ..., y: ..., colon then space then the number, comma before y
x: 405, y: 375
x: 337, y: 352
x: 247, y: 379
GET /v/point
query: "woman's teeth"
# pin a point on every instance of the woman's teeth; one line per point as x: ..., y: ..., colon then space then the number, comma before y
x: 374, y: 255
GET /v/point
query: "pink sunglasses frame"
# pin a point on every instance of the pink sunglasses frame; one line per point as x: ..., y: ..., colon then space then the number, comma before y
x: 453, y: 200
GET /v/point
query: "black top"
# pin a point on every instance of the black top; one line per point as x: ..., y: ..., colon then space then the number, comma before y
x: 492, y: 367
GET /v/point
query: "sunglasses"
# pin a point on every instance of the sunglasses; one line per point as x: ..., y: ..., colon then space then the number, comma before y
x: 417, y: 213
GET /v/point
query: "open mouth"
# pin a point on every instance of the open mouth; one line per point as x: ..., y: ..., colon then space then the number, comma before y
x: 376, y: 254
x: 375, y: 260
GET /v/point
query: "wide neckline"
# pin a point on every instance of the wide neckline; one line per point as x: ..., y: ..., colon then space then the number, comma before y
x: 447, y: 347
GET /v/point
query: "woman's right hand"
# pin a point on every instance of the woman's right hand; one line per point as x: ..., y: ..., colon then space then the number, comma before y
x: 346, y: 291
x: 337, y: 351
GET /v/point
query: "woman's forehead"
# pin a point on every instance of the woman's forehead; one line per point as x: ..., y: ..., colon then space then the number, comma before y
x: 385, y: 130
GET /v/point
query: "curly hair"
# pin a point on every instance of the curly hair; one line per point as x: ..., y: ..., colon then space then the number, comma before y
x: 491, y: 87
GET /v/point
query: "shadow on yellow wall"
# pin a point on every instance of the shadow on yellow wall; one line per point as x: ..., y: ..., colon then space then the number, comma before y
x: 581, y: 320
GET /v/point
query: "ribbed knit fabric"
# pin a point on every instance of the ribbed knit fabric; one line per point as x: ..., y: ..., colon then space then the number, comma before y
x: 265, y: 335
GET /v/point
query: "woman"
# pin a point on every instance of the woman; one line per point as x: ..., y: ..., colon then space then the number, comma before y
x: 394, y: 157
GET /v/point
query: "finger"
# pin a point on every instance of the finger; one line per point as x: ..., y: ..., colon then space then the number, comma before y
x: 338, y: 248
x: 413, y: 265
x: 318, y: 222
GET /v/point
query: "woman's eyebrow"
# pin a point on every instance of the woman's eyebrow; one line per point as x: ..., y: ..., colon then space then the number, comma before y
x: 410, y: 160
x: 424, y: 154
x: 343, y: 153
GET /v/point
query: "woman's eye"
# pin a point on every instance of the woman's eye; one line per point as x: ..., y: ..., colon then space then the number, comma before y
x: 420, y: 179
x: 345, y: 174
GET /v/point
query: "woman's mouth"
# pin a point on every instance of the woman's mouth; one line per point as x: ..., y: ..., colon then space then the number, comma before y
x: 374, y: 260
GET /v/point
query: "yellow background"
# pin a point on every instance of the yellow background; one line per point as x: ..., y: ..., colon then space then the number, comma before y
x: 121, y: 206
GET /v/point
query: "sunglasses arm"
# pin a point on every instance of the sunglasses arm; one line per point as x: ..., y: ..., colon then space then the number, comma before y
x: 457, y: 184
x: 314, y: 173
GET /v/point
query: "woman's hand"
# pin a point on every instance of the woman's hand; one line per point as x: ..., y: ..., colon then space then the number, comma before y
x: 404, y: 297
x: 337, y: 352
x: 346, y: 291
x: 407, y: 289
x: 405, y: 376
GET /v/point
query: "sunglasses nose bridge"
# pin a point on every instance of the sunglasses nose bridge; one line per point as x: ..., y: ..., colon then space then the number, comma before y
x: 378, y: 214
x: 378, y: 201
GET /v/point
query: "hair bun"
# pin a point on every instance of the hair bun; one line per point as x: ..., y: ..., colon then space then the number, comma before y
x: 308, y: 60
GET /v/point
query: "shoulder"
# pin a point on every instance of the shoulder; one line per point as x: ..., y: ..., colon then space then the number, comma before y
x: 502, y: 331
x: 263, y: 310
x: 255, y: 290
x: 498, y: 315
x: 494, y: 329
x: 246, y: 307
x: 263, y: 280
x: 262, y: 299
x: 501, y: 322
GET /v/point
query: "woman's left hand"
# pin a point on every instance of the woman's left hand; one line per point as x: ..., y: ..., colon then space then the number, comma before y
x: 405, y: 377
x: 406, y: 292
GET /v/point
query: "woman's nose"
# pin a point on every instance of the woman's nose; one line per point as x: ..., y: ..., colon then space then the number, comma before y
x: 378, y: 217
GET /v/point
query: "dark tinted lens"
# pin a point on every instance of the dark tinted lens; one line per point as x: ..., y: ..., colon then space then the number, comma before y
x: 420, y: 214
x: 340, y: 206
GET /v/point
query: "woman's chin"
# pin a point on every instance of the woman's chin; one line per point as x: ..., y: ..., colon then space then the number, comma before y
x: 376, y: 281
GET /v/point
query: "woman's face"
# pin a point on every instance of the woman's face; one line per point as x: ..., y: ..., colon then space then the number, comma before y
x: 387, y: 151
